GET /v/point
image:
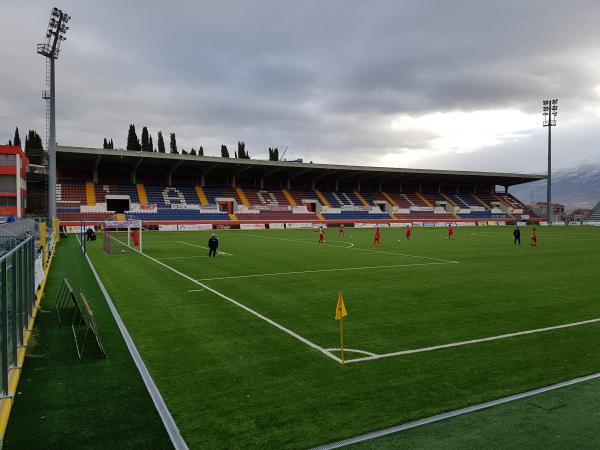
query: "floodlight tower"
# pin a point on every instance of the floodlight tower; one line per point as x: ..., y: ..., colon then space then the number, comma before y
x: 57, y: 28
x: 550, y: 111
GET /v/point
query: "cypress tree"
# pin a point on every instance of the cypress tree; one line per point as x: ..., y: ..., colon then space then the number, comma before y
x: 193, y: 152
x: 105, y: 144
x: 200, y: 151
x: 151, y: 144
x: 173, y: 143
x: 273, y: 154
x: 112, y: 146
x: 34, y: 147
x: 183, y: 152
x: 161, y: 143
x: 17, y: 139
x: 10, y: 142
x: 242, y: 153
x: 132, y: 140
x: 146, y: 147
x: 224, y: 152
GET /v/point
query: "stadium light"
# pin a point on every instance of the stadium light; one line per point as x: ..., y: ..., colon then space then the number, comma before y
x: 57, y: 28
x: 549, y: 111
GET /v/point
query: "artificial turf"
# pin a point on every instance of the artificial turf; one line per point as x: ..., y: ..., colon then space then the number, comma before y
x: 232, y: 380
x: 64, y: 403
x: 561, y: 419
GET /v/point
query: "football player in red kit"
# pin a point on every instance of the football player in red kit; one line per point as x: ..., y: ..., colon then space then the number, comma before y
x: 450, y: 232
x: 408, y: 233
x: 135, y: 237
x: 533, y: 238
x: 377, y: 241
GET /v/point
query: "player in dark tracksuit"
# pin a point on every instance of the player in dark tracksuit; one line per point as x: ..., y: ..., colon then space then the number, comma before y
x: 213, y: 244
x: 517, y: 235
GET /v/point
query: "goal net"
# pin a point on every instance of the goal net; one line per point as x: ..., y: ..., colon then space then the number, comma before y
x: 122, y: 236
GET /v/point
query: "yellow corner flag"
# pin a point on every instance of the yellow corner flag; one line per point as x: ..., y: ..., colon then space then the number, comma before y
x: 340, y: 313
x: 340, y: 310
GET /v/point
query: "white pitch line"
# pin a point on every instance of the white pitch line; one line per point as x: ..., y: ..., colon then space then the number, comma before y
x: 351, y: 350
x: 475, y: 341
x: 457, y: 412
x: 206, y: 248
x: 357, y: 248
x: 184, y: 257
x: 196, y: 290
x: 300, y: 241
x: 244, y: 307
x: 159, y: 403
x: 325, y: 270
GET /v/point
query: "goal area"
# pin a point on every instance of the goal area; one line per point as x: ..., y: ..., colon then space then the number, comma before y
x: 122, y: 236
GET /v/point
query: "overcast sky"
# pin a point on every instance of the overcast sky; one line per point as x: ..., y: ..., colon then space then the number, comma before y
x: 429, y: 84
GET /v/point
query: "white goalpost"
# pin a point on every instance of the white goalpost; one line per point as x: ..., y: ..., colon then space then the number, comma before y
x: 122, y: 236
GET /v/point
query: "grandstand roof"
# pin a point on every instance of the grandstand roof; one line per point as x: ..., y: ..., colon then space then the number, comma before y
x: 193, y: 165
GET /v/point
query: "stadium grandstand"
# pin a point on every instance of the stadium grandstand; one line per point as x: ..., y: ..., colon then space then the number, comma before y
x: 97, y: 184
x: 594, y: 215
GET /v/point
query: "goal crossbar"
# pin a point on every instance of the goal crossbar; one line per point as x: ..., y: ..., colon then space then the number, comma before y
x: 114, y: 240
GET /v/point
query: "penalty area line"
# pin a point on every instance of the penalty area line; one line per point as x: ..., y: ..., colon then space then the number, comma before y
x: 475, y: 341
x: 245, y: 308
x: 299, y: 272
x: 206, y: 248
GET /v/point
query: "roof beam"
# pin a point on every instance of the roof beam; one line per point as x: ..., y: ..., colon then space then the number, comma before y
x: 175, y: 166
x: 323, y: 175
x: 302, y: 172
x: 374, y: 175
x: 242, y: 170
x: 138, y: 164
x: 210, y: 169
x: 271, y: 172
x: 97, y: 162
x: 349, y: 175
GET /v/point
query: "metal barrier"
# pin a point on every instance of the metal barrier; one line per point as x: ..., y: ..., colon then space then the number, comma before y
x: 12, y: 233
x: 17, y: 301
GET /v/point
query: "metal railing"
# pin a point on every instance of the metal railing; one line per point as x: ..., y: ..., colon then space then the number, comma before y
x: 17, y: 300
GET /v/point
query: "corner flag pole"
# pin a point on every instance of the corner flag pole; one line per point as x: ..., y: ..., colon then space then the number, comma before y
x: 340, y: 313
x: 342, y: 337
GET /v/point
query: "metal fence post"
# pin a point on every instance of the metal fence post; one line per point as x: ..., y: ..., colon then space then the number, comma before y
x: 4, y: 301
x: 18, y: 330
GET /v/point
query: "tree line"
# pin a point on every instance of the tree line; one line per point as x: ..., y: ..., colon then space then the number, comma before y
x: 146, y: 144
x: 34, y: 148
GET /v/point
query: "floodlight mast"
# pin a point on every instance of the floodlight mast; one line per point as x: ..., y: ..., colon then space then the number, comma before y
x: 549, y: 111
x: 57, y: 28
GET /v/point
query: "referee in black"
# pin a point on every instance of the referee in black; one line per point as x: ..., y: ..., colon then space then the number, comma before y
x: 213, y: 244
x: 517, y: 235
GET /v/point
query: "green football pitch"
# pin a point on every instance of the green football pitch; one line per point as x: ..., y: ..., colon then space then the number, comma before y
x: 245, y: 348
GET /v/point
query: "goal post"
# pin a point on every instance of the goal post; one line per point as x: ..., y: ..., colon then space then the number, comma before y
x: 122, y: 236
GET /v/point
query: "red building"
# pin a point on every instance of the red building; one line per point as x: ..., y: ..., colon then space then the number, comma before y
x: 13, y: 181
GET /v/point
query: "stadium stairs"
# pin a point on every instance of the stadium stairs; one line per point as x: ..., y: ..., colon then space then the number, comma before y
x: 594, y: 215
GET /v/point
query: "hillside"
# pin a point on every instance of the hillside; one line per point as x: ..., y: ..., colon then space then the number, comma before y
x: 576, y: 187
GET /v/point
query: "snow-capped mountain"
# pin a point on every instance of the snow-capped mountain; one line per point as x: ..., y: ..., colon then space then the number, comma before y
x: 577, y: 187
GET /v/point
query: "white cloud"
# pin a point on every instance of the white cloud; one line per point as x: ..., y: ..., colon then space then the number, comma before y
x: 465, y: 132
